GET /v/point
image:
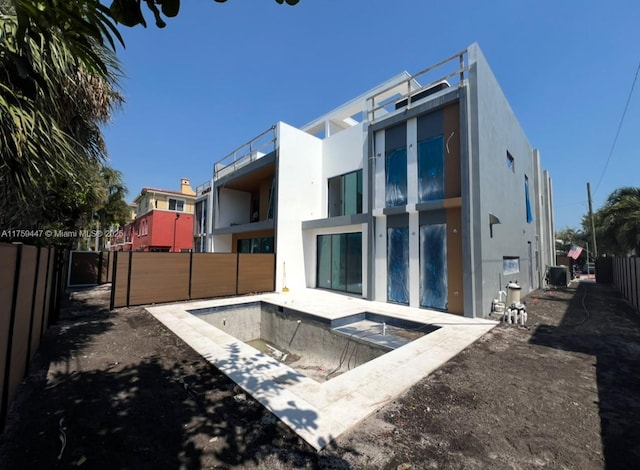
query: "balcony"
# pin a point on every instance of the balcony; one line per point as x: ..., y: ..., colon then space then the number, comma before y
x: 256, y: 148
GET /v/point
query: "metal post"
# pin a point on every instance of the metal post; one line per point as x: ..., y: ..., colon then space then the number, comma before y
x: 593, y: 227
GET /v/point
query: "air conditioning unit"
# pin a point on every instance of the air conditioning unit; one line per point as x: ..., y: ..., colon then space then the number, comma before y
x: 558, y: 276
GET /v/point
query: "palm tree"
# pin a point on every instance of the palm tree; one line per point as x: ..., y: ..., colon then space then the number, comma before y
x: 52, y: 102
x: 619, y: 221
x: 113, y: 210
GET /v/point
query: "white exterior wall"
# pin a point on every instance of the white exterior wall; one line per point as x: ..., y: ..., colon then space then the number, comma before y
x: 300, y: 188
x: 234, y: 208
x: 222, y: 243
x: 343, y: 153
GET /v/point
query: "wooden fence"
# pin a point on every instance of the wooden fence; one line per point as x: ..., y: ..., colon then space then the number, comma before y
x: 89, y: 268
x: 626, y: 278
x: 141, y: 278
x: 32, y: 283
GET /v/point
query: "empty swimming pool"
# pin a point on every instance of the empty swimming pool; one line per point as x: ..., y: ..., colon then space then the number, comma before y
x: 319, y: 410
x: 314, y: 346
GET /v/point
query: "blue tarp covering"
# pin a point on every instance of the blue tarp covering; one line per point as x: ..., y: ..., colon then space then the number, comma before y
x: 398, y: 265
x: 433, y: 266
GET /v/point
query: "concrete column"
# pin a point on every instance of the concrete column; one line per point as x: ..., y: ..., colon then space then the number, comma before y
x: 414, y: 259
x: 412, y: 161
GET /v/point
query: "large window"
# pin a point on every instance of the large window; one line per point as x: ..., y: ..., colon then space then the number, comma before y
x: 345, y: 194
x: 256, y: 245
x: 176, y: 205
x: 200, y: 219
x: 431, y: 169
x: 433, y: 266
x: 340, y: 262
x: 527, y: 200
x: 396, y: 165
x: 398, y: 264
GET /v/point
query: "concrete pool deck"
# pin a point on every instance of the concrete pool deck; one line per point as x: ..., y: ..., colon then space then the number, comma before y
x: 320, y: 412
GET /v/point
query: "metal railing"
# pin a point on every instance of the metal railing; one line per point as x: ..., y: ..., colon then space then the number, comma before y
x: 384, y: 104
x: 203, y: 188
x: 248, y: 152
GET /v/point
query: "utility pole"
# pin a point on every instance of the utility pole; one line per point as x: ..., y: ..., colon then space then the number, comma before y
x: 593, y: 226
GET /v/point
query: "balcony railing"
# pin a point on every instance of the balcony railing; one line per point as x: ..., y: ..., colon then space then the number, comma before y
x: 251, y: 151
x: 203, y: 188
x: 448, y: 72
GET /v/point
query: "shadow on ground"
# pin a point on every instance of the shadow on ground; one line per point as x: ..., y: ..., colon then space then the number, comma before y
x: 598, y: 322
x: 127, y: 393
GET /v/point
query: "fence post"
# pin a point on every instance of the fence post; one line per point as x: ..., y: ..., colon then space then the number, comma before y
x: 12, y: 321
x: 190, y: 271
x: 635, y: 269
x: 44, y: 297
x: 629, y: 296
x: 237, y: 271
x: 625, y: 276
x: 33, y: 307
x: 59, y: 285
x: 129, y: 277
x: 113, y: 280
x: 99, y: 274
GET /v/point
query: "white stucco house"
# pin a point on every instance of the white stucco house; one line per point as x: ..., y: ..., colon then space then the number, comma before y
x: 422, y: 191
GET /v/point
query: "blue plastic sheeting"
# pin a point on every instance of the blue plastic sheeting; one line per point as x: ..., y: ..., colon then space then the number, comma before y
x: 431, y: 169
x: 433, y: 266
x: 398, y: 265
x: 396, y: 177
x: 527, y: 200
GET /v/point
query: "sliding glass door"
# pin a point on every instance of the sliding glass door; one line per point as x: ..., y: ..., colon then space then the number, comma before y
x: 339, y: 264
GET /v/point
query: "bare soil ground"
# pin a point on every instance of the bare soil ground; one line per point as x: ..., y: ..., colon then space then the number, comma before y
x: 562, y: 393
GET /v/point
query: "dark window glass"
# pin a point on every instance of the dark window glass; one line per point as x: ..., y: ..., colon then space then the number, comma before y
x: 176, y: 205
x: 431, y: 169
x: 354, y: 262
x: 340, y: 262
x: 527, y: 200
x: 244, y: 246
x: 433, y: 266
x: 398, y: 264
x: 256, y: 245
x: 345, y: 194
x: 324, y: 261
x: 396, y: 177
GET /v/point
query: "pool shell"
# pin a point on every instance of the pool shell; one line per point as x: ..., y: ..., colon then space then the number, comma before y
x: 315, y: 346
x: 320, y: 412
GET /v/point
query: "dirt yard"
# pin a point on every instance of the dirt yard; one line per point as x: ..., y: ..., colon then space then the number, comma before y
x: 127, y: 394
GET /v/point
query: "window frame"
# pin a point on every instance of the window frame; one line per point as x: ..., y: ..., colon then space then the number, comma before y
x: 341, y: 204
x: 176, y: 200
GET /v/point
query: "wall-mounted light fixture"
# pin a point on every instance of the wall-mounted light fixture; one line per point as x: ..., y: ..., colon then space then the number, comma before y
x: 493, y: 220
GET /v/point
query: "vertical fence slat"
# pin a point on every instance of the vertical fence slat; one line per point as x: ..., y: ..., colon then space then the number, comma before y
x: 626, y: 279
x: 9, y: 272
x: 32, y: 313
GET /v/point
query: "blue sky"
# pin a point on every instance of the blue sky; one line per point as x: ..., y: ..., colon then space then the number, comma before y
x: 219, y: 74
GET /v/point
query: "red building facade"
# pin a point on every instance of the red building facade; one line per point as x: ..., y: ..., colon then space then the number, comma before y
x: 163, y: 222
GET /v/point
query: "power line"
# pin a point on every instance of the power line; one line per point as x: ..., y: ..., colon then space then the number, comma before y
x: 618, y: 131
